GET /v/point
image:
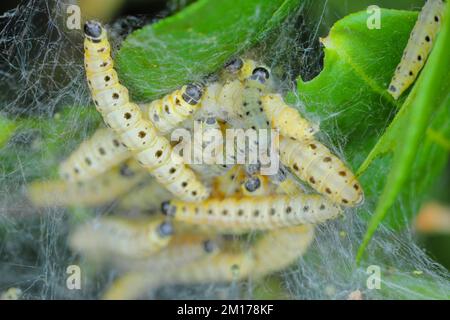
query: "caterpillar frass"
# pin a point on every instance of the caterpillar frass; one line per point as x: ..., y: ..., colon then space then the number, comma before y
x: 418, y: 47
x: 253, y: 213
x: 94, y: 156
x: 103, y: 189
x: 145, y: 197
x: 152, y: 151
x: 313, y: 163
x: 167, y: 113
x: 121, y: 238
x: 286, y: 119
x: 278, y: 249
x: 182, y: 250
x: 223, y: 267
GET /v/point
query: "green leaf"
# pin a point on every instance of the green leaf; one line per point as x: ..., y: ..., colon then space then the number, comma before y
x: 431, y: 92
x: 351, y: 99
x: 195, y: 42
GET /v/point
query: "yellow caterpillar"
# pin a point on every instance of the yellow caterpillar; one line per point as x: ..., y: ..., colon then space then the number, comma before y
x: 145, y: 197
x: 313, y: 163
x: 418, y: 47
x: 121, y: 238
x: 94, y: 156
x: 223, y: 267
x: 152, y: 151
x: 167, y: 113
x: 286, y: 119
x: 100, y: 190
x: 276, y: 250
x: 253, y: 213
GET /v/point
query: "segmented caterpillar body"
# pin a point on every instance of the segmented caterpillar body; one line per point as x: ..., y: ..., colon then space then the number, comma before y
x: 254, y: 213
x: 285, y: 183
x: 313, y: 163
x: 121, y: 238
x: 278, y: 249
x: 418, y: 47
x: 100, y: 190
x: 228, y: 266
x: 223, y: 267
x: 286, y: 119
x: 139, y: 135
x: 167, y: 113
x: 94, y: 156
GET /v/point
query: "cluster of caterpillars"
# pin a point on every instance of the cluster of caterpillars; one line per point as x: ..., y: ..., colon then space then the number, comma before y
x: 201, y: 204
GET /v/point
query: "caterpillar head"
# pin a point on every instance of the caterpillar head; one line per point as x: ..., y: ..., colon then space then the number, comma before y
x: 165, y: 229
x: 210, y: 246
x: 260, y: 74
x: 193, y: 93
x: 168, y: 209
x: 234, y: 65
x: 93, y: 30
x: 252, y: 184
x: 125, y: 171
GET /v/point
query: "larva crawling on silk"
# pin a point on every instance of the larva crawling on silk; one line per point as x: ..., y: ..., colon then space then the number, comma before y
x: 275, y: 251
x: 96, y: 155
x: 152, y: 151
x: 313, y: 163
x: 121, y: 238
x: 254, y: 213
x: 102, y: 189
x: 418, y: 47
x: 167, y: 113
x: 223, y: 267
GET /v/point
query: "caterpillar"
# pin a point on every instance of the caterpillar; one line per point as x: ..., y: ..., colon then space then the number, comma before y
x: 94, y: 156
x: 167, y: 113
x: 277, y: 249
x: 286, y: 119
x: 223, y: 267
x: 121, y: 238
x: 152, y: 151
x: 313, y: 163
x: 145, y: 197
x: 100, y: 190
x: 253, y: 213
x: 418, y: 47
x: 274, y: 251
x: 182, y: 250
